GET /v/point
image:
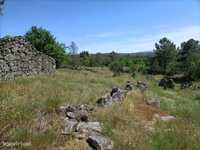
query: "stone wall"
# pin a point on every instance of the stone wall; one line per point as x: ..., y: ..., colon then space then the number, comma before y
x: 19, y: 58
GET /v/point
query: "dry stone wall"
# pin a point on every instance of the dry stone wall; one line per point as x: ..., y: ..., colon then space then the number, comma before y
x: 19, y: 58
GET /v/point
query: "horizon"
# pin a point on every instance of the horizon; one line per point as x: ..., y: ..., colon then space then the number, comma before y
x: 97, y: 26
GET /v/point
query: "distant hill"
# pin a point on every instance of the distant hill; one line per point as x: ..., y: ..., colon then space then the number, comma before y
x: 141, y: 54
x: 145, y: 54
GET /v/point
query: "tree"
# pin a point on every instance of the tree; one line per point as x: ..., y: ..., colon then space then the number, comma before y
x: 45, y: 42
x: 187, y: 49
x: 73, y: 48
x: 113, y: 56
x: 166, y: 56
x: 194, y: 65
x: 57, y: 52
x: 155, y: 68
x: 189, y: 58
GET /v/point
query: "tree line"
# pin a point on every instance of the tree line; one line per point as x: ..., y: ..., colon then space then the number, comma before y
x: 168, y: 58
x: 67, y: 56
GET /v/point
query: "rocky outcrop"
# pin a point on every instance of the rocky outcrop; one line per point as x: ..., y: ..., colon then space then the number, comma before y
x: 19, y: 58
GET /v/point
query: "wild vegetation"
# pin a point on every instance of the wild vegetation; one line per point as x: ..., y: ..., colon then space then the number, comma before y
x: 168, y: 58
x: 24, y: 101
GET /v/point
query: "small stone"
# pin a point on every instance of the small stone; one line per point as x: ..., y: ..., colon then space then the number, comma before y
x: 70, y: 126
x: 129, y: 86
x: 84, y: 118
x: 142, y: 85
x: 166, y: 83
x: 105, y: 101
x: 114, y: 90
x: 153, y: 102
x: 167, y: 118
x: 88, y: 126
x: 71, y: 115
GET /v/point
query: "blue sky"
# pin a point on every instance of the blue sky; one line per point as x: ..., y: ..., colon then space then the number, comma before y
x: 106, y: 25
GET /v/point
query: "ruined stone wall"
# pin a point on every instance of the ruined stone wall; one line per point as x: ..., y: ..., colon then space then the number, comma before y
x: 19, y: 58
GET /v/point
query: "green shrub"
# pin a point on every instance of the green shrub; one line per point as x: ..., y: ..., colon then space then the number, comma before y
x: 116, y: 67
x: 45, y: 42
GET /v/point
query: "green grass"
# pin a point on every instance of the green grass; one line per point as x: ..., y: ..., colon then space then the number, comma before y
x: 23, y: 99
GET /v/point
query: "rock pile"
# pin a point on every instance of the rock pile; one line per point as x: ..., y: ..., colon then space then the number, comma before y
x: 142, y: 85
x: 80, y: 124
x: 19, y: 58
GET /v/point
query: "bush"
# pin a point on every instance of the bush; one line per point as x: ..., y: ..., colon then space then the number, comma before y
x: 116, y: 67
x: 45, y: 42
x: 194, y: 66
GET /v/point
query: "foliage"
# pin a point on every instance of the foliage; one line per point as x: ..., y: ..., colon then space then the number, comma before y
x: 194, y: 65
x: 165, y: 57
x: 45, y: 42
x: 116, y: 67
x: 189, y: 58
x: 85, y: 59
x: 184, y: 60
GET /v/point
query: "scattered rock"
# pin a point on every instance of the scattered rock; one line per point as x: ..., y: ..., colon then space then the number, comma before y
x: 71, y: 115
x: 166, y: 83
x: 114, y: 90
x: 155, y: 102
x: 80, y: 124
x: 88, y: 127
x: 99, y: 142
x: 80, y: 112
x: 117, y: 94
x: 164, y: 118
x: 61, y: 110
x: 186, y: 85
x: 142, y: 85
x: 105, y: 100
x: 167, y: 118
x: 70, y: 126
x: 129, y: 86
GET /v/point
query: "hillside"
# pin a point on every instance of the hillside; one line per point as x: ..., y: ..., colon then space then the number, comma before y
x: 28, y: 111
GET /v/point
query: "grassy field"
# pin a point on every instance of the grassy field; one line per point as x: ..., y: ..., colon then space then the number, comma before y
x: 28, y: 114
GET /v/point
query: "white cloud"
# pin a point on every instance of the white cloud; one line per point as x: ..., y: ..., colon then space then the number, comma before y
x: 142, y: 42
x: 184, y: 34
